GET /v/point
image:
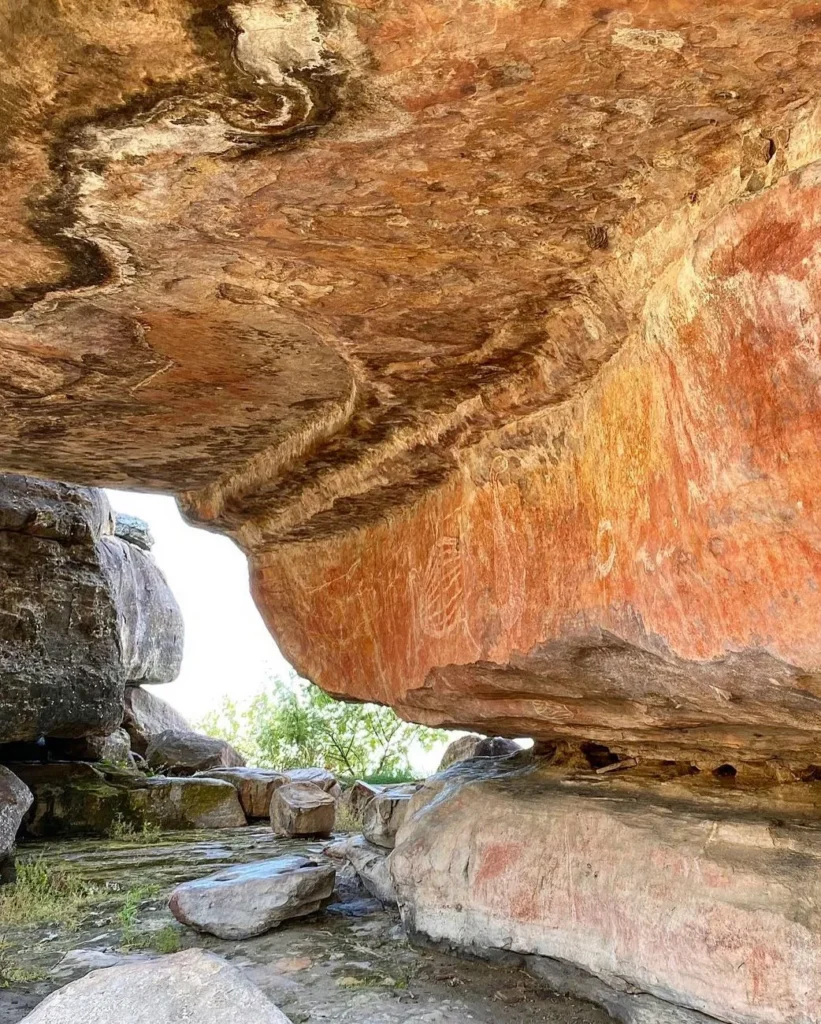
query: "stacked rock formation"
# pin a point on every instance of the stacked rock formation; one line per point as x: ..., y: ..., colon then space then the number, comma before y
x: 86, y: 617
x: 83, y: 612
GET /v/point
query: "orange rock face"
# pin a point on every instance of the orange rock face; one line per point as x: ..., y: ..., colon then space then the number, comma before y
x: 488, y: 329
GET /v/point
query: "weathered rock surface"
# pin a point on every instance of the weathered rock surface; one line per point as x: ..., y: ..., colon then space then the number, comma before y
x: 496, y: 746
x: 83, y: 799
x: 134, y: 530
x: 359, y: 795
x: 665, y: 887
x: 302, y: 809
x: 477, y: 746
x: 15, y: 800
x: 321, y: 777
x: 519, y: 407
x: 619, y: 999
x: 147, y: 715
x: 186, y: 753
x: 115, y: 748
x: 193, y: 986
x: 81, y: 612
x: 370, y: 863
x: 459, y: 750
x: 250, y: 900
x: 255, y: 786
x: 384, y: 814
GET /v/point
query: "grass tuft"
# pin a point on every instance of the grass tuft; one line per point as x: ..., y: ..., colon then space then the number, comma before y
x: 164, y: 940
x: 43, y: 894
x: 123, y: 831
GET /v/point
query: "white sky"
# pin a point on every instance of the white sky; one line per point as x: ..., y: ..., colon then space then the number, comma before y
x: 228, y: 650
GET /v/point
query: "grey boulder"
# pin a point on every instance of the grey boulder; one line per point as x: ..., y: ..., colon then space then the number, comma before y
x: 496, y: 746
x: 82, y: 612
x: 15, y: 800
x: 459, y: 749
x: 357, y: 798
x: 302, y: 809
x: 385, y: 813
x: 146, y: 715
x: 115, y: 748
x: 134, y: 530
x: 372, y: 866
x: 186, y: 753
x: 255, y: 787
x: 472, y: 745
x: 249, y: 900
x: 194, y: 986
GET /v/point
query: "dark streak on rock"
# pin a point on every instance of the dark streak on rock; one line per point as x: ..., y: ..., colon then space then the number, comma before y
x: 239, y: 99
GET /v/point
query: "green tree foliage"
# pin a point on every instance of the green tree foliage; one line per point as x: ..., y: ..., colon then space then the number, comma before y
x: 294, y: 724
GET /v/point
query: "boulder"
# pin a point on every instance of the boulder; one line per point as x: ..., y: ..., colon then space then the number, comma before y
x: 15, y: 800
x: 114, y: 748
x: 75, y: 798
x: 147, y: 715
x: 186, y: 753
x: 359, y: 795
x: 192, y: 986
x: 302, y: 809
x: 321, y: 777
x: 255, y: 787
x: 134, y: 530
x: 383, y: 816
x: 460, y: 749
x: 674, y: 889
x: 245, y: 901
x: 372, y: 865
x: 496, y: 746
x: 81, y: 613
x: 472, y: 745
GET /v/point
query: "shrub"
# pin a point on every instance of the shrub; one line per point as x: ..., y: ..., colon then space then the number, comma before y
x: 294, y: 724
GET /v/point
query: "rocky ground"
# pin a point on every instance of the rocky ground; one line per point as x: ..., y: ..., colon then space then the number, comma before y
x: 350, y: 963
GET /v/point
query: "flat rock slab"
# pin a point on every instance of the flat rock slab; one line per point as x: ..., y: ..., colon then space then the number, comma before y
x: 186, y: 753
x: 194, y: 987
x: 383, y: 815
x: 255, y: 787
x: 250, y: 900
x: 114, y: 748
x: 302, y: 809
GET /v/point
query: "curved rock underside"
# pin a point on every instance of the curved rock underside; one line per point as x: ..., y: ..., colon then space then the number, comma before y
x: 488, y: 328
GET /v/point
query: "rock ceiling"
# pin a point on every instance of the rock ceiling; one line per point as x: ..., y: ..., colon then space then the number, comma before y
x: 488, y: 329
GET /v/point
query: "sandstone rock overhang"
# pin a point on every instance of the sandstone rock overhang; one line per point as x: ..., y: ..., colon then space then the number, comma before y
x: 488, y: 329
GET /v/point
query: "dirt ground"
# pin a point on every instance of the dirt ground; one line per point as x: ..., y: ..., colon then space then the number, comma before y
x: 350, y: 963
